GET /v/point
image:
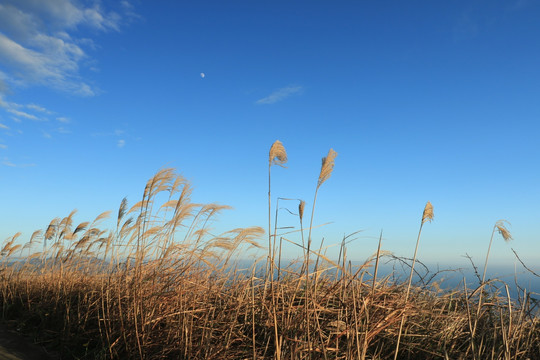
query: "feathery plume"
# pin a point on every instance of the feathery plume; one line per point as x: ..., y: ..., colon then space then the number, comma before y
x: 301, y: 207
x: 122, y: 211
x: 327, y: 167
x: 503, y: 230
x: 102, y: 216
x: 278, y: 155
x: 428, y: 213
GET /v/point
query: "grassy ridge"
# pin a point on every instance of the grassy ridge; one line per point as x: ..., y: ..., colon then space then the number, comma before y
x: 161, y: 285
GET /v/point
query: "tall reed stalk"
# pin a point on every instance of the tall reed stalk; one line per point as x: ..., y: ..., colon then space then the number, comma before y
x: 327, y: 167
x: 501, y: 229
x: 427, y: 215
x: 277, y: 156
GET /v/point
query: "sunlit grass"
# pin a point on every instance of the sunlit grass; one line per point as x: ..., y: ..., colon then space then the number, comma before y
x: 161, y: 285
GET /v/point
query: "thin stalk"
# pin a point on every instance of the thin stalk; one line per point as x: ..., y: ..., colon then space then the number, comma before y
x: 376, y: 264
x: 426, y: 216
x: 480, y: 296
x: 269, y: 262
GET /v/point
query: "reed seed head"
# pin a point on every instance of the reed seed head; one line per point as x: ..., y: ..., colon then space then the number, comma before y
x: 428, y: 213
x: 278, y: 155
x: 327, y: 167
x: 301, y: 207
x: 122, y: 211
x: 501, y: 228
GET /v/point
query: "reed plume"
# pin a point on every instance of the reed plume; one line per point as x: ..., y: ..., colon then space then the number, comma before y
x: 428, y: 213
x: 301, y: 207
x: 327, y: 167
x: 278, y: 155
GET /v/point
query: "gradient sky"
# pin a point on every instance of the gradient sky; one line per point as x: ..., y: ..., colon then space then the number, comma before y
x: 422, y: 100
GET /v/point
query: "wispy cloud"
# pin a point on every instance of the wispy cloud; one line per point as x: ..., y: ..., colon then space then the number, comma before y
x: 280, y: 94
x: 39, y: 109
x: 6, y: 162
x: 3, y: 146
x: 17, y: 110
x: 63, y: 130
x: 118, y: 135
x: 22, y: 114
x: 2, y: 126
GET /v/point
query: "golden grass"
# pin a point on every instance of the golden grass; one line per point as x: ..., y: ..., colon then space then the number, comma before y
x: 161, y: 285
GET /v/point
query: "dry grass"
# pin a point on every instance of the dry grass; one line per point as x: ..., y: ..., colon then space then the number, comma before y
x: 162, y: 286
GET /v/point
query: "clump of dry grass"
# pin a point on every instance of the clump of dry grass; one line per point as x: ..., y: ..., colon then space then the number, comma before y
x: 162, y: 286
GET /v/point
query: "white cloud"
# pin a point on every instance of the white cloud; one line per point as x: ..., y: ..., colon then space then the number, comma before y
x: 2, y: 126
x: 40, y: 42
x: 280, y: 94
x: 3, y: 146
x: 63, y: 119
x: 121, y: 143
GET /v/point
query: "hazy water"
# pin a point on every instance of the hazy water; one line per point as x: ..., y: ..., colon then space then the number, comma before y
x: 447, y: 277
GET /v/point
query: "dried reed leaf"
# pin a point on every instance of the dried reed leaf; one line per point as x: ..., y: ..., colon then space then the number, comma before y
x: 327, y: 167
x: 51, y: 229
x: 278, y: 155
x: 178, y: 182
x: 428, y: 213
x: 126, y: 227
x: 152, y: 231
x: 34, y: 255
x: 136, y: 207
x: 6, y: 248
x: 169, y: 204
x: 13, y: 249
x: 102, y: 216
x: 224, y: 244
x: 35, y: 236
x: 68, y: 220
x: 82, y: 226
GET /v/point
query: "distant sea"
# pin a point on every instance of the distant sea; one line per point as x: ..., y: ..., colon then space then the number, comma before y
x: 448, y: 277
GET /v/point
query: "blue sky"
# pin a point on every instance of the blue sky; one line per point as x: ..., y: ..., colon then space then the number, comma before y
x: 422, y: 100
